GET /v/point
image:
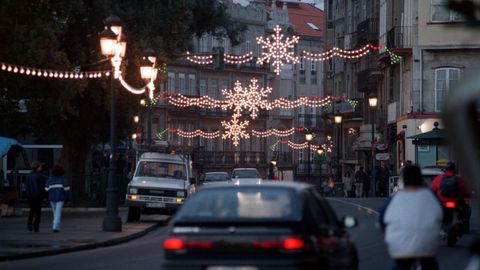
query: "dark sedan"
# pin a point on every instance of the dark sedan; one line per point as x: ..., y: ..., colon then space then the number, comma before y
x: 250, y: 227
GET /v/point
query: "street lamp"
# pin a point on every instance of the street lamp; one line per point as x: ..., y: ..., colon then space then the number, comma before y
x: 337, y: 119
x: 113, y: 47
x: 372, y: 102
x: 148, y: 72
x: 308, y: 138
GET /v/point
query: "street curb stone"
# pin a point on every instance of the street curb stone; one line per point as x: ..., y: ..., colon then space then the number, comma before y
x: 106, y: 243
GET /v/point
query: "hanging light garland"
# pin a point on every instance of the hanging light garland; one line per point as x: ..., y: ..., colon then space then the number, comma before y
x: 335, y: 51
x: 200, y: 60
x: 206, y: 102
x: 48, y: 73
x: 275, y: 132
x: 237, y: 59
x: 276, y: 49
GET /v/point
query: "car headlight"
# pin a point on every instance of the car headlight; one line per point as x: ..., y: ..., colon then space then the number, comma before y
x: 133, y: 191
x: 180, y: 193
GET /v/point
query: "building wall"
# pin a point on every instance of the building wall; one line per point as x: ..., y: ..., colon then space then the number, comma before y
x: 449, y: 33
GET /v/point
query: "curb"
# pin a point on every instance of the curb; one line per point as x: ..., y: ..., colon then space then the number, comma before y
x: 106, y: 243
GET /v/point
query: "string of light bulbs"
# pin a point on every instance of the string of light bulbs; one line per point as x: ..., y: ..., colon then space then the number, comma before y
x: 206, y: 102
x: 200, y: 59
x: 238, y: 59
x: 49, y: 73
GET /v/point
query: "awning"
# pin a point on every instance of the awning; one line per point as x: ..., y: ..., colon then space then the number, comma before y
x: 6, y: 144
x: 434, y: 137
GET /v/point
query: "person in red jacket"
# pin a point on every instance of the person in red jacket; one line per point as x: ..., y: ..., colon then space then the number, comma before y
x: 450, y: 187
x: 458, y: 193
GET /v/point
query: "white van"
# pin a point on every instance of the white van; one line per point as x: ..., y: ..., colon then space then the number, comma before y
x: 160, y: 184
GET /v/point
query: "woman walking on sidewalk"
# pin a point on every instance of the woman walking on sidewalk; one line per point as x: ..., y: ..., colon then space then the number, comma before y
x: 58, y: 193
x: 34, y: 188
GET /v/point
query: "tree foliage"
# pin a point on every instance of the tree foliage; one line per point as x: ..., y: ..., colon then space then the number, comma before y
x: 63, y: 35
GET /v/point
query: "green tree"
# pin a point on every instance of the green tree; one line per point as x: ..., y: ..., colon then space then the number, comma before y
x: 63, y: 35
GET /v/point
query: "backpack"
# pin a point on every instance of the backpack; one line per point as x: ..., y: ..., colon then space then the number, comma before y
x: 449, y: 187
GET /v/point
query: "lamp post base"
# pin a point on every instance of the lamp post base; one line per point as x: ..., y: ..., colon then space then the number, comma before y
x: 112, y: 224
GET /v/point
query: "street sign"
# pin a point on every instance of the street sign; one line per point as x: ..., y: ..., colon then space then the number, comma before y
x: 382, y: 156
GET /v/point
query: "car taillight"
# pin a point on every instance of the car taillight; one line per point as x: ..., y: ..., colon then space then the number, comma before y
x: 173, y: 244
x: 293, y: 244
x: 266, y: 244
x: 178, y: 244
x: 450, y: 205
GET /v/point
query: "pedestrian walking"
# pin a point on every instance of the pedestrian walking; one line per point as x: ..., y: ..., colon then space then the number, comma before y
x: 382, y: 176
x: 412, y: 221
x: 35, y: 192
x: 58, y: 193
x: 348, y: 185
x: 361, y: 179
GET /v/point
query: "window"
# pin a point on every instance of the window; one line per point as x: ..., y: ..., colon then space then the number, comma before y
x: 171, y: 82
x: 203, y: 87
x: 313, y: 66
x: 445, y: 80
x: 302, y: 63
x: 181, y: 82
x: 203, y: 46
x: 313, y: 26
x: 439, y: 12
x: 191, y: 84
x: 248, y: 46
x: 213, y: 89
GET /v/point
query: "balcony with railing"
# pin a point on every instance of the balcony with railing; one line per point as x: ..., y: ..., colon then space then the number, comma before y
x: 400, y: 37
x: 367, y: 31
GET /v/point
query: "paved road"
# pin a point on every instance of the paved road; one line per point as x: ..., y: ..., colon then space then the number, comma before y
x: 146, y: 252
x: 369, y: 240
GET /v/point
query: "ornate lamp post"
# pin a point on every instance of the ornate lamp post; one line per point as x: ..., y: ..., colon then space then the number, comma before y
x: 113, y: 47
x: 372, y: 102
x: 308, y: 138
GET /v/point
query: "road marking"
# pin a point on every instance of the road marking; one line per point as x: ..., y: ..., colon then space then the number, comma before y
x: 368, y: 209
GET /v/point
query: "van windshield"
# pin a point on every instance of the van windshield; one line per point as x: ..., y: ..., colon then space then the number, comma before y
x: 161, y: 169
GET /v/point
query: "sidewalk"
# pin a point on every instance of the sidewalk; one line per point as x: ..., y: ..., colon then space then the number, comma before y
x: 81, y: 229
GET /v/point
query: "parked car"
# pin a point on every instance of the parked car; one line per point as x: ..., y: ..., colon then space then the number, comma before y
x: 246, y: 176
x: 267, y: 226
x: 215, y: 177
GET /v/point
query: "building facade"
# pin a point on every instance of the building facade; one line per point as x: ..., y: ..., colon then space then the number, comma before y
x: 425, y: 49
x: 196, y: 79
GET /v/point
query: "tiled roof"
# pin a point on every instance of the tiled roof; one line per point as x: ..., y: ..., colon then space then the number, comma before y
x: 300, y: 14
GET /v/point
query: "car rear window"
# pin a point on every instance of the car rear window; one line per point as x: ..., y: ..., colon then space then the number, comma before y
x: 216, y: 177
x: 246, y: 174
x: 246, y: 204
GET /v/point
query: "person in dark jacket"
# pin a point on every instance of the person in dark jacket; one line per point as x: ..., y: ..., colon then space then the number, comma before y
x: 58, y: 193
x: 34, y: 188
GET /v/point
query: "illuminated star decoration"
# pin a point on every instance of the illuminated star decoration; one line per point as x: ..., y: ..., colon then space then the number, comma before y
x: 277, y: 49
x: 235, y: 129
x: 241, y: 98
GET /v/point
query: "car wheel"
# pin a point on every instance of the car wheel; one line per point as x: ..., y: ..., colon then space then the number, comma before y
x: 133, y: 214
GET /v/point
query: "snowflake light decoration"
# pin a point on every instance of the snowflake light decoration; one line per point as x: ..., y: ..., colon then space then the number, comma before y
x: 241, y: 98
x: 277, y: 49
x: 235, y: 129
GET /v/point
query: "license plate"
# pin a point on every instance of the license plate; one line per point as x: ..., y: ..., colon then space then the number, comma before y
x: 231, y: 268
x: 156, y: 205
